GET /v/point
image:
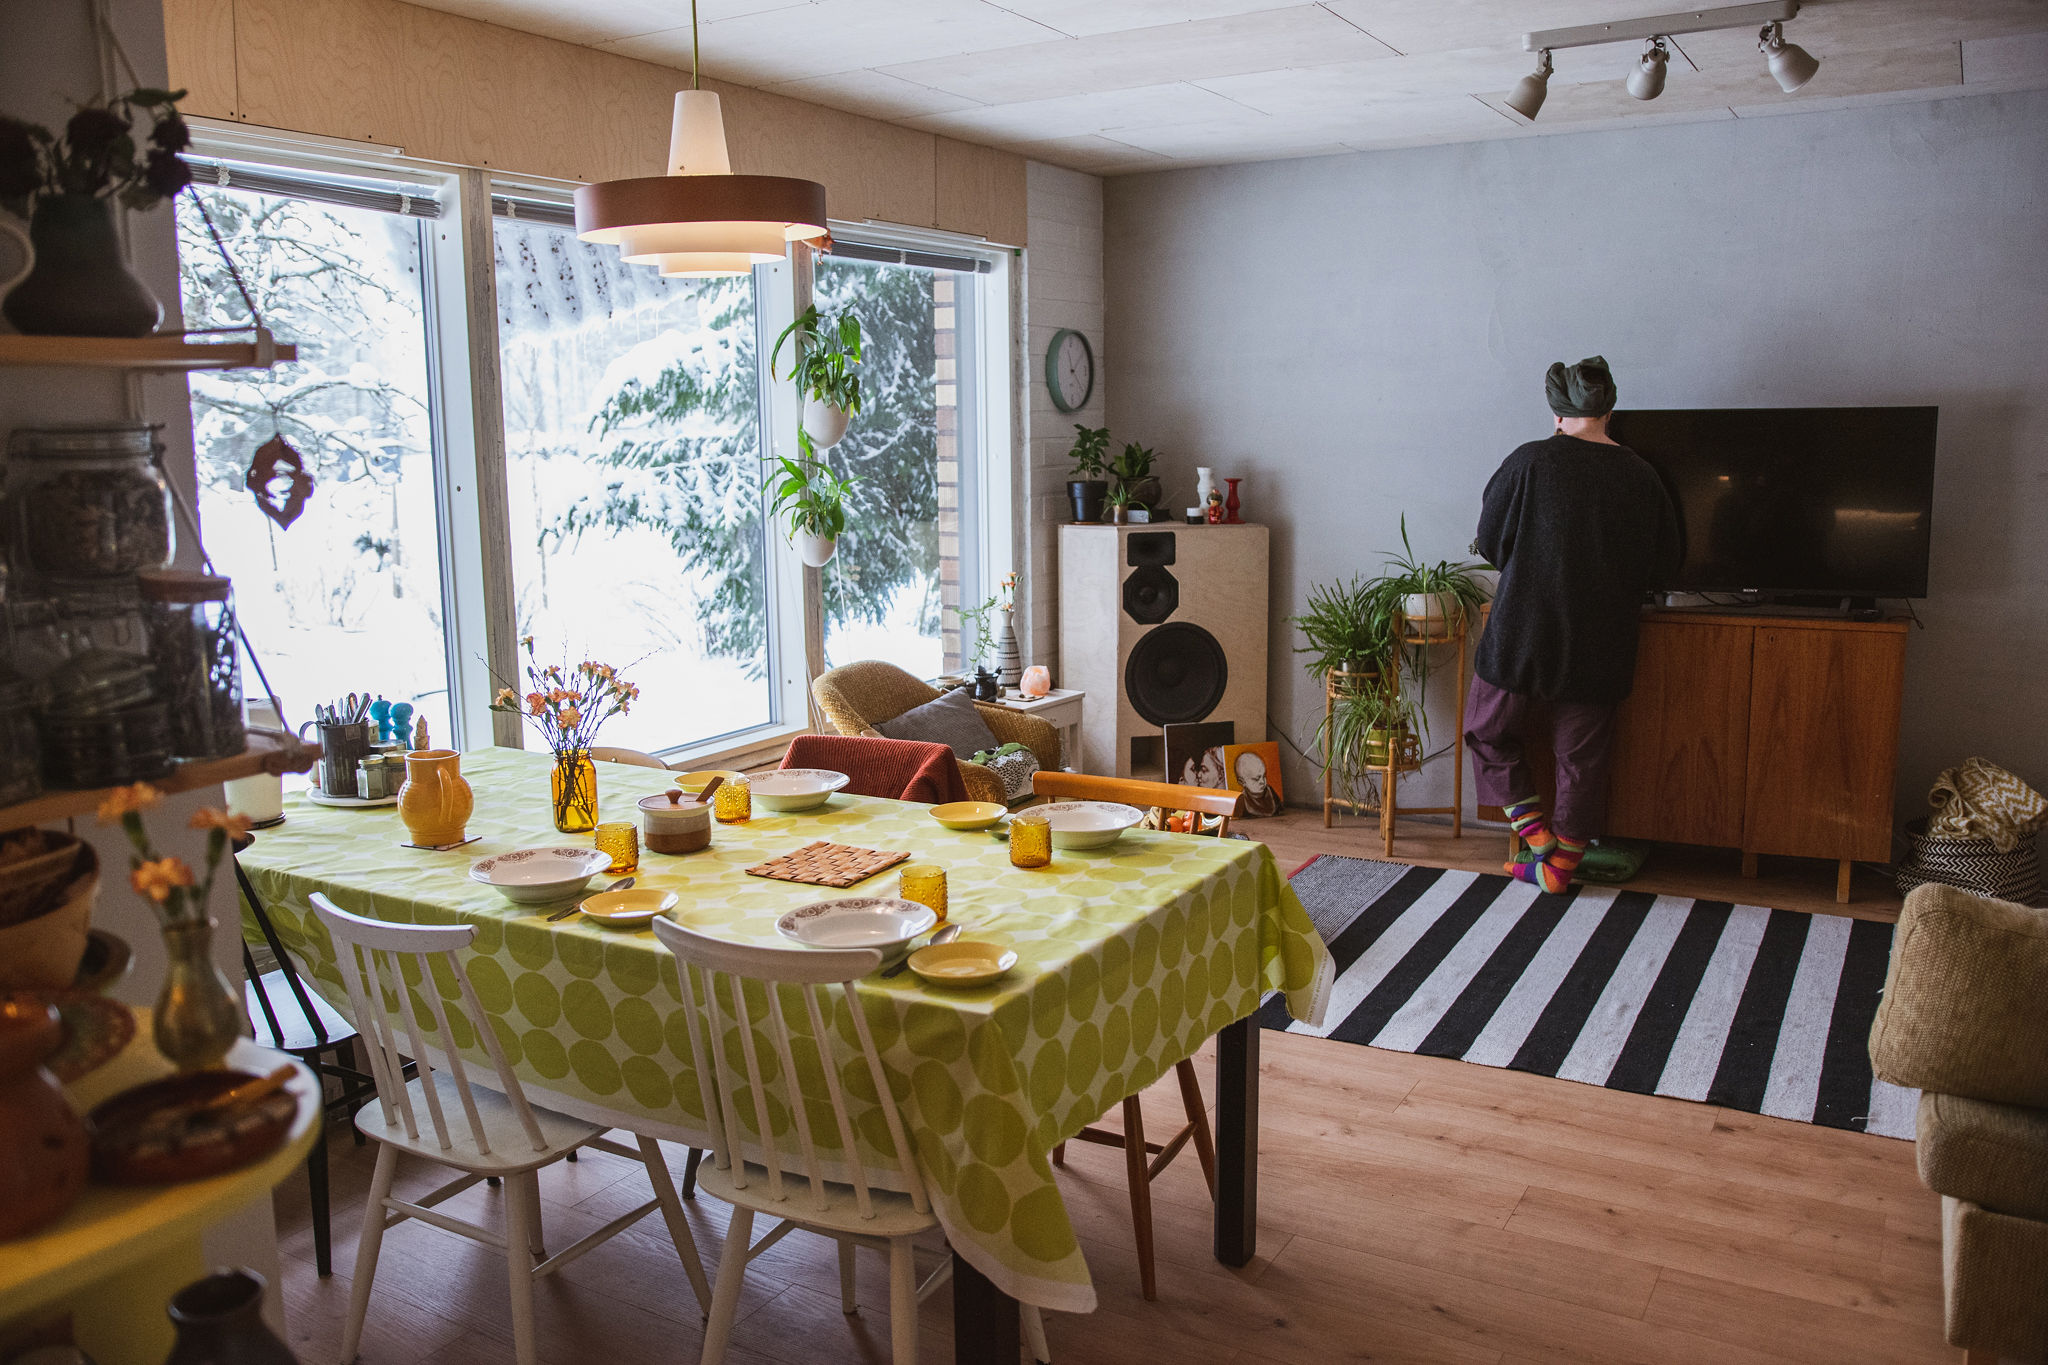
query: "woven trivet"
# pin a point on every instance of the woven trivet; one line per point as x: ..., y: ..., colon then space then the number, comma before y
x: 827, y: 864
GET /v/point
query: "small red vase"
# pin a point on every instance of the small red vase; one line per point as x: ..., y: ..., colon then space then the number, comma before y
x: 1230, y: 506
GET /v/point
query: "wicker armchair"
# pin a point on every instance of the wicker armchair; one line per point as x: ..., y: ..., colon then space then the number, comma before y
x: 859, y: 696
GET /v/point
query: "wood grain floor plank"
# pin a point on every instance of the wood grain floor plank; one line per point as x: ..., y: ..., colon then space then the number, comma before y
x: 1748, y: 1317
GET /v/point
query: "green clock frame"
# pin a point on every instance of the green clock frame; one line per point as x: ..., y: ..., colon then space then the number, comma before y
x: 1052, y: 378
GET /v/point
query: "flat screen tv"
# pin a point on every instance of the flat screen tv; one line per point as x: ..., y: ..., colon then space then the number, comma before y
x: 1795, y: 501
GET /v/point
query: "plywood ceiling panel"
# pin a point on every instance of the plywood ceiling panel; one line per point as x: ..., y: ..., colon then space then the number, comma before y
x: 1114, y: 86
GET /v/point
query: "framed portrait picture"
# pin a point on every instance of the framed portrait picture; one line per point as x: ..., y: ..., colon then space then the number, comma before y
x: 1194, y: 753
x: 1254, y: 769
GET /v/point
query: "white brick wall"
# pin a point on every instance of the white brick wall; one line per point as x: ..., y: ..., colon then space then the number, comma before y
x: 1062, y: 288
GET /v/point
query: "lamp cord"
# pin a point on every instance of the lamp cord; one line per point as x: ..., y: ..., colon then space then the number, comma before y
x: 694, y: 82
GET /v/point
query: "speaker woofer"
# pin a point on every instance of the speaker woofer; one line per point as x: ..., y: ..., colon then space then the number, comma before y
x: 1151, y: 594
x: 1176, y: 674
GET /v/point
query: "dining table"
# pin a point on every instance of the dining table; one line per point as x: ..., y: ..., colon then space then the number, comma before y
x: 1129, y: 959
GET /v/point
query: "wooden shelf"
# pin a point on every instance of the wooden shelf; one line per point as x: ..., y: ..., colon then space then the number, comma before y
x: 134, y: 353
x: 269, y: 751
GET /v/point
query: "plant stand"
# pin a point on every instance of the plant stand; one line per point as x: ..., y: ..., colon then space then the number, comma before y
x: 1404, y: 756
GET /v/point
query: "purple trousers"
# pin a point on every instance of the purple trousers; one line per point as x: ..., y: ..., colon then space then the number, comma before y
x: 1499, y: 724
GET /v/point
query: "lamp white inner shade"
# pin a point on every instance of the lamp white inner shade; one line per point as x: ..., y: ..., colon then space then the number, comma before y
x: 696, y: 137
x: 699, y: 265
x: 647, y: 243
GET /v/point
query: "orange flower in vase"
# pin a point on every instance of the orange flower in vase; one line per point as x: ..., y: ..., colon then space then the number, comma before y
x: 567, y: 705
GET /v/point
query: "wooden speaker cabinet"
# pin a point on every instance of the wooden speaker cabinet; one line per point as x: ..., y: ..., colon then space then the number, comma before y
x: 1159, y: 624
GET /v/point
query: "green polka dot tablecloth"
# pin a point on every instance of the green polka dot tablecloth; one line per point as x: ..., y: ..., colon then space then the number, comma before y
x: 1128, y: 959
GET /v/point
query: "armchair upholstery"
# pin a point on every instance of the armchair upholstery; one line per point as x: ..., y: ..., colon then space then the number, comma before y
x: 1962, y: 1020
x: 857, y: 697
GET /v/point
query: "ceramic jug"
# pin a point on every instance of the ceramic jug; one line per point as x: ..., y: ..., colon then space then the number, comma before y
x: 220, y: 1322
x: 435, y: 801
x: 43, y: 1151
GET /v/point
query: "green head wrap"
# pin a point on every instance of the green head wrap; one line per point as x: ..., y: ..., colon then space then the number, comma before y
x: 1582, y: 390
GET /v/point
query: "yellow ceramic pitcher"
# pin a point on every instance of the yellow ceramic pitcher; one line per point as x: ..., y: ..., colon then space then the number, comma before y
x: 435, y: 801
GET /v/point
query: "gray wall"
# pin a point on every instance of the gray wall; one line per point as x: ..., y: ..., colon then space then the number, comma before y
x: 1365, y: 335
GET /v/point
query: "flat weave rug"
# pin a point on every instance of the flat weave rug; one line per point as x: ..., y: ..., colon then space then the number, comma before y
x: 1766, y: 1011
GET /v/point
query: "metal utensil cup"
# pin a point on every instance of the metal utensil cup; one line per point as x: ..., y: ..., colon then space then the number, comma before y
x: 342, y: 745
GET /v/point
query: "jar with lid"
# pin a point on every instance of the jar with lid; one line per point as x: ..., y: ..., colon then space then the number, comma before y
x: 190, y: 619
x: 102, y: 725
x: 85, y: 502
x: 20, y: 767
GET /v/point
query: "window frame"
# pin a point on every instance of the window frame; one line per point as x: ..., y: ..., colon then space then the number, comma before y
x: 467, y: 423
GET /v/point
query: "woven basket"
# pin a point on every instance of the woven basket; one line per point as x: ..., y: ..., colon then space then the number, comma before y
x: 1972, y: 864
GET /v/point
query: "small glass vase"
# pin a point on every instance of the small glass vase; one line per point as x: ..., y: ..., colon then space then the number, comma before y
x: 574, y: 783
x: 198, y: 1015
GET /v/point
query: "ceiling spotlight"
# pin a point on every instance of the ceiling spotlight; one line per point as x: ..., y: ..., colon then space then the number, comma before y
x: 1790, y: 64
x: 1646, y: 81
x: 1527, y: 96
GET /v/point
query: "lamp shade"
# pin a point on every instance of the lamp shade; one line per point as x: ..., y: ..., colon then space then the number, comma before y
x: 1646, y: 80
x: 609, y: 210
x: 704, y: 265
x: 1527, y: 96
x: 696, y: 136
x: 1791, y: 65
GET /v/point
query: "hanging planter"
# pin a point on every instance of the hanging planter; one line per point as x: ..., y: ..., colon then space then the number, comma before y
x: 827, y: 356
x: 816, y: 550
x: 815, y: 499
x: 824, y: 423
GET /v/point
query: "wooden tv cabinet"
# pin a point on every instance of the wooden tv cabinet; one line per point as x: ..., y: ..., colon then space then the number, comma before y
x: 1768, y: 734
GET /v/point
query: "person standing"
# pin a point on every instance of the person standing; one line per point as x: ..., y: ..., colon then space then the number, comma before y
x: 1580, y: 528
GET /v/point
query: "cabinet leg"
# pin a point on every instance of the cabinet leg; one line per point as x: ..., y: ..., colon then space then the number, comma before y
x: 1843, y: 871
x: 1748, y: 864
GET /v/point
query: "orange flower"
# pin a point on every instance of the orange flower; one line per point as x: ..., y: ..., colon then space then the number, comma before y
x: 570, y: 717
x: 506, y: 697
x: 227, y: 822
x: 128, y: 800
x: 536, y: 703
x: 156, y: 879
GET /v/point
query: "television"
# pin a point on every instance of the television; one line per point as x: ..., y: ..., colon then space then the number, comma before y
x: 1788, y: 502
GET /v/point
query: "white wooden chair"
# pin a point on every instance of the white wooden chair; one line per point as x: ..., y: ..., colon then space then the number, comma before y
x: 791, y: 1186
x: 500, y: 1135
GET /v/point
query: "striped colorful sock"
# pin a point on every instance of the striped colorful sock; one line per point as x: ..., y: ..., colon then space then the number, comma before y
x: 1554, y: 872
x: 1526, y: 818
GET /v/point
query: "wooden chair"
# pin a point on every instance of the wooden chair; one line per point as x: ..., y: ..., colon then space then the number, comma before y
x: 715, y: 978
x: 301, y: 1023
x: 1144, y: 1160
x: 633, y: 757
x: 502, y: 1135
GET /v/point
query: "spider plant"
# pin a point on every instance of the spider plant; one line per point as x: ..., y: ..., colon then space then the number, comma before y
x: 1361, y: 729
x: 1341, y: 630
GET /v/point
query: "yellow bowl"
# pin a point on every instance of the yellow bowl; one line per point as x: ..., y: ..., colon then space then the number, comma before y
x: 962, y: 964
x: 968, y: 814
x: 632, y: 909
x: 695, y: 782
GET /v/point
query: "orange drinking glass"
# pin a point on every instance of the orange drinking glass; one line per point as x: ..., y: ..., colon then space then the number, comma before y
x: 1030, y: 840
x: 925, y: 883
x: 733, y: 802
x: 620, y: 840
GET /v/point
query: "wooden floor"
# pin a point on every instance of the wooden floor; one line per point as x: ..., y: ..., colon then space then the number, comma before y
x: 1411, y: 1209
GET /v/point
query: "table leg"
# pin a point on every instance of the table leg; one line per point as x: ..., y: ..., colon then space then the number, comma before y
x: 985, y: 1320
x: 1237, y: 1141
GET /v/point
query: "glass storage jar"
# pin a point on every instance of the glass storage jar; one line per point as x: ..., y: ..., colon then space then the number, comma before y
x: 102, y: 725
x: 85, y: 502
x: 190, y: 619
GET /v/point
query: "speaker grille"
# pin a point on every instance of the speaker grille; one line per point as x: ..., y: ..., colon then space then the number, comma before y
x: 1176, y: 674
x: 1151, y: 594
x: 1149, y: 547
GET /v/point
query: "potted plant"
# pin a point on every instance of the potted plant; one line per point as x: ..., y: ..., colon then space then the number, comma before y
x: 1087, y: 488
x: 1341, y: 631
x: 1119, y: 509
x: 1435, y: 598
x: 815, y: 499
x: 827, y: 354
x: 1365, y: 729
x: 65, y: 185
x: 1132, y: 470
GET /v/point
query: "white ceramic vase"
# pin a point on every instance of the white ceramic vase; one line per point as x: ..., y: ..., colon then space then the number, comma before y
x: 823, y: 423
x: 817, y: 550
x: 1204, y: 485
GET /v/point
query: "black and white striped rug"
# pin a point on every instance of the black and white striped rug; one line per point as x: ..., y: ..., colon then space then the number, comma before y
x: 1766, y: 1011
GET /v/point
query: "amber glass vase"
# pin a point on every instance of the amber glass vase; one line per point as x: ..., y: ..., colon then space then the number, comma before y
x: 574, y: 781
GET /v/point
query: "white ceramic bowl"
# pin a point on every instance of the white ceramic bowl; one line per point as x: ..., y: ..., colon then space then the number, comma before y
x: 1087, y: 824
x: 857, y: 922
x: 793, y: 789
x: 539, y: 876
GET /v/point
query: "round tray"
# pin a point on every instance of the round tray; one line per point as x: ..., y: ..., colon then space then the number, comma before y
x: 321, y: 798
x: 158, y: 1134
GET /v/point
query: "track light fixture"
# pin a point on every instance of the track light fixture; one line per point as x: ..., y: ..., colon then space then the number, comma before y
x: 1790, y: 64
x: 1646, y: 82
x: 1527, y: 96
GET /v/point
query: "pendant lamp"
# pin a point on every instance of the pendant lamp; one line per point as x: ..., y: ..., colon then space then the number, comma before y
x: 700, y: 219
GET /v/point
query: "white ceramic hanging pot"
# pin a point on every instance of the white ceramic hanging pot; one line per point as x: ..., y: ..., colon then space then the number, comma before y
x: 817, y: 550
x: 823, y: 423
x: 1430, y: 613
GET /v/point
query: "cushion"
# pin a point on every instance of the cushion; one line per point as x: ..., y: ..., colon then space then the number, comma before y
x: 1994, y: 1280
x: 951, y: 720
x: 1963, y: 1002
x: 1990, y: 1154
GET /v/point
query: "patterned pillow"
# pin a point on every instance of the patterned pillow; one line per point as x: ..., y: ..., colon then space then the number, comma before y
x: 950, y: 720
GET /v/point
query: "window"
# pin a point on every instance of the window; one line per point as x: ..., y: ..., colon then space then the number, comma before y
x: 632, y: 447
x: 636, y: 417
x: 358, y: 577
x: 909, y: 558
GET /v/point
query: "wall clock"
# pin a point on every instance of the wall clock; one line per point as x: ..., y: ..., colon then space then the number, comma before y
x: 1069, y: 370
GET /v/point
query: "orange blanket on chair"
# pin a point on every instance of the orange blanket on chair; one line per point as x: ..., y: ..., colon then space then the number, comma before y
x: 905, y: 770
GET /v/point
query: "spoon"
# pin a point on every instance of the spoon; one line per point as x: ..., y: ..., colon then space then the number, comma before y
x: 945, y: 935
x: 620, y: 885
x: 709, y: 787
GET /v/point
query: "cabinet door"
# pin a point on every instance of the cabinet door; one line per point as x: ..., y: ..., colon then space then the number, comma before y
x: 1823, y: 741
x: 1682, y: 738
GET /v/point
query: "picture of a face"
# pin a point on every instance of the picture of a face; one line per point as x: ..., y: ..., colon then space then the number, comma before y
x: 1212, y: 768
x: 1251, y: 774
x: 1255, y: 771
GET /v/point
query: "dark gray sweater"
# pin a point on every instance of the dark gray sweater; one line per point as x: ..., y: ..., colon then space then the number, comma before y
x: 1580, y: 531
